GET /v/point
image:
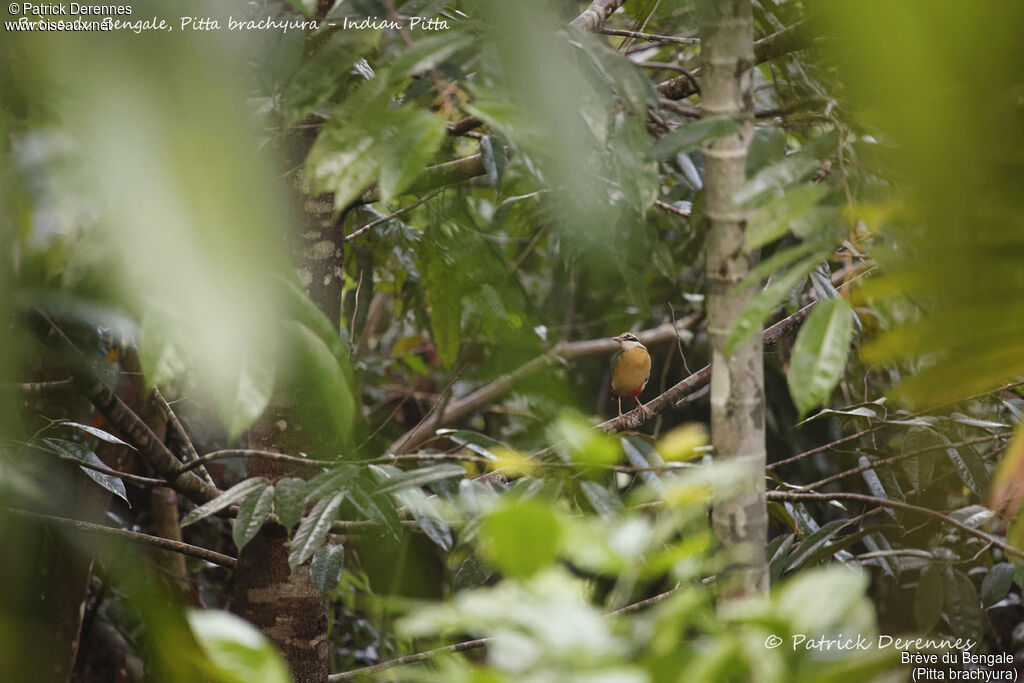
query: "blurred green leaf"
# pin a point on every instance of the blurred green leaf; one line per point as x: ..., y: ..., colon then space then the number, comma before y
x: 238, y: 650
x: 444, y: 301
x: 405, y: 148
x: 819, y: 355
x: 252, y: 513
x: 521, y: 537
x: 772, y: 220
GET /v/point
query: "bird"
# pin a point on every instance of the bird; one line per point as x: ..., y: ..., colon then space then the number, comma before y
x: 631, y: 368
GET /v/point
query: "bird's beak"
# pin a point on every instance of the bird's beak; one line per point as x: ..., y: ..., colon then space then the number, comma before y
x: 617, y: 339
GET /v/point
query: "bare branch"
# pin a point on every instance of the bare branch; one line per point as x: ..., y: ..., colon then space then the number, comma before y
x: 134, y: 536
x: 653, y: 37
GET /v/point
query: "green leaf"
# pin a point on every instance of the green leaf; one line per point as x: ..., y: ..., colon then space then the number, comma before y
x: 691, y: 136
x: 444, y: 300
x: 237, y: 648
x: 773, y: 179
x: 494, y: 158
x: 819, y: 355
x: 520, y: 538
x: 420, y: 477
x: 313, y: 529
x: 426, y: 55
x: 232, y: 495
x: 751, y: 319
x: 996, y: 583
x: 929, y: 597
x: 98, y: 433
x: 289, y: 501
x: 815, y: 542
x: 323, y: 381
x: 969, y: 466
x: 81, y: 452
x: 306, y: 7
x: 405, y: 147
x: 323, y: 72
x: 326, y: 567
x: 963, y: 606
x: 252, y: 513
x: 246, y: 396
x: 772, y: 220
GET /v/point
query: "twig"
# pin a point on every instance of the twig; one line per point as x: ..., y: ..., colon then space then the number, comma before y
x: 825, y: 447
x: 193, y: 454
x: 389, y: 217
x: 900, y: 456
x: 665, y: 206
x: 134, y: 536
x: 896, y: 505
x: 134, y: 478
x: 653, y: 37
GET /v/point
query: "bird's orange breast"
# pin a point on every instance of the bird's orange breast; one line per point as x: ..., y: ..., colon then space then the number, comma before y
x: 631, y: 372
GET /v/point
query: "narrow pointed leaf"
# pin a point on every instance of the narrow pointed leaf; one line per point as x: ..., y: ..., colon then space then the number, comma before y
x: 232, y: 495
x: 313, y: 529
x: 420, y: 477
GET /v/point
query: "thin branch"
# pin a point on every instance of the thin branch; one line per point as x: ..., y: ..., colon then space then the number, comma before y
x: 134, y: 478
x: 665, y: 206
x: 671, y: 398
x: 653, y: 37
x: 384, y: 219
x: 825, y: 447
x: 596, y: 14
x: 253, y: 453
x: 900, y: 456
x: 193, y: 454
x: 896, y: 505
x: 562, y: 351
x: 134, y: 536
x: 456, y: 128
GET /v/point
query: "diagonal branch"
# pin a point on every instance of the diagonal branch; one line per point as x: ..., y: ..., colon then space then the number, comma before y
x: 563, y: 351
x: 697, y: 380
x: 133, y: 536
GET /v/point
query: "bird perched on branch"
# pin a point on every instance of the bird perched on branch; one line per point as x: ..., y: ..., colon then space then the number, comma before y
x: 631, y: 368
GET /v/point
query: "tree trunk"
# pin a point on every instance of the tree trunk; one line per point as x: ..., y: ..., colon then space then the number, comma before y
x: 737, y: 380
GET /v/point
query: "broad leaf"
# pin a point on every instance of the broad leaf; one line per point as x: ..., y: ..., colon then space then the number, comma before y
x: 323, y: 72
x: 444, y: 300
x: 237, y: 648
x: 405, y: 148
x: 751, y: 319
x: 771, y: 221
x: 819, y: 355
x: 520, y: 538
x: 252, y: 513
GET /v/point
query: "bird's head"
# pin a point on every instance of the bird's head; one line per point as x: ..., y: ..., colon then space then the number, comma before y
x: 627, y: 341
